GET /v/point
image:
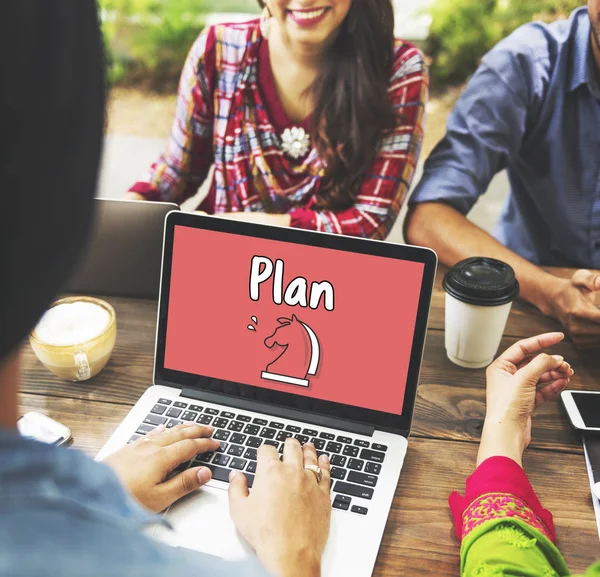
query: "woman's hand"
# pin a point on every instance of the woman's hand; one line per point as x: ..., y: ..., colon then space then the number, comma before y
x: 259, y: 217
x: 286, y: 517
x: 143, y: 465
x: 518, y: 381
x: 133, y: 196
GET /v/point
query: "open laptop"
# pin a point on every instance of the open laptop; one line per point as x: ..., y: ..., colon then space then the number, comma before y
x: 267, y: 332
x: 124, y: 254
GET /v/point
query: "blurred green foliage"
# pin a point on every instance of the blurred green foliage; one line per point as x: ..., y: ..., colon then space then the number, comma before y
x: 462, y: 31
x: 147, y: 40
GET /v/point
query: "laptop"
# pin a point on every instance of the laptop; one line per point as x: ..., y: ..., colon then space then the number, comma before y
x: 124, y: 254
x: 267, y: 332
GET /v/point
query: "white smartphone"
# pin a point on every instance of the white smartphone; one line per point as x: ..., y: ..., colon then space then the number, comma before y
x: 42, y: 428
x: 583, y: 408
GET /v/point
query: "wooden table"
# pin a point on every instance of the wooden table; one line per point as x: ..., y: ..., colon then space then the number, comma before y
x: 419, y: 538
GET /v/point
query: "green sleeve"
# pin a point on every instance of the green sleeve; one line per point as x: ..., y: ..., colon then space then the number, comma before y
x: 593, y: 571
x: 513, y: 548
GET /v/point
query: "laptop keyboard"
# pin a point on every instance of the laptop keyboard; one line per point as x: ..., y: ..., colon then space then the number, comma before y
x: 355, y: 463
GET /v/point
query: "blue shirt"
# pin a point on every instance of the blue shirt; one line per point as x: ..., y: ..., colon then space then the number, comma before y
x: 533, y: 108
x: 64, y: 515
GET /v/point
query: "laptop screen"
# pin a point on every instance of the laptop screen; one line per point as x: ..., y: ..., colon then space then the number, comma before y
x: 308, y: 321
x: 312, y: 321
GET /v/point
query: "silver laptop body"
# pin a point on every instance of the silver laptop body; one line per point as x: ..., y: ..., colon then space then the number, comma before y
x: 366, y: 447
x: 124, y: 254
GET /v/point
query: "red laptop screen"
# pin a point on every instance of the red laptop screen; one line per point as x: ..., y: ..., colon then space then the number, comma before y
x: 322, y: 323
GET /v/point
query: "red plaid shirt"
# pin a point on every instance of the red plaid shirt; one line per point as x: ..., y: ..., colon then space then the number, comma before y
x: 228, y: 115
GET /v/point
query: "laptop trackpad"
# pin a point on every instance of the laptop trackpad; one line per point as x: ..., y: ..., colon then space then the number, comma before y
x: 201, y: 522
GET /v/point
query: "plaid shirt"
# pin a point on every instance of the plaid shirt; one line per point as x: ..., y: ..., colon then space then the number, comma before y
x: 228, y: 115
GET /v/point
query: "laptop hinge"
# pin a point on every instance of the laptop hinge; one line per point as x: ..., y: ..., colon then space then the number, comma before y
x: 282, y: 412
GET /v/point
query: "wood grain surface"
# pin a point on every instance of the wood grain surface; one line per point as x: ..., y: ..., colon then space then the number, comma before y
x: 450, y: 402
x: 449, y: 412
x: 419, y: 537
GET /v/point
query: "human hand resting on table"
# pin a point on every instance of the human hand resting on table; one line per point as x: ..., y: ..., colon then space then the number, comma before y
x: 258, y: 217
x: 133, y: 196
x: 572, y: 302
x: 143, y: 465
x: 519, y: 380
x: 286, y: 517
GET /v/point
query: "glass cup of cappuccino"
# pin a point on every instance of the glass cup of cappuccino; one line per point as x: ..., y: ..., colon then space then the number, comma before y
x: 75, y: 337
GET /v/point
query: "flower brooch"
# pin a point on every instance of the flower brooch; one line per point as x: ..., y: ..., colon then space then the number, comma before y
x: 295, y: 142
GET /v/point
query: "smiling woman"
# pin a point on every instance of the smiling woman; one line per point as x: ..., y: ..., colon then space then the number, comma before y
x: 308, y: 17
x: 314, y: 24
x: 312, y: 117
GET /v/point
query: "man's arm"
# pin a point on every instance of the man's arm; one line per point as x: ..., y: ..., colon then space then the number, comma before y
x: 485, y: 130
x: 454, y: 238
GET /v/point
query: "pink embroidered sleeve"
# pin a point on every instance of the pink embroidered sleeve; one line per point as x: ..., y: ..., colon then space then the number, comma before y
x: 498, y: 489
x: 388, y: 180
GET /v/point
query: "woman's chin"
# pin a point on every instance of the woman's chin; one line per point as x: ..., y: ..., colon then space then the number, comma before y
x: 311, y: 39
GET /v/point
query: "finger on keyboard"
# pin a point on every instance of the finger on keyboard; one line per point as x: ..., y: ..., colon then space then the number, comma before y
x: 292, y: 453
x: 187, y: 449
x: 156, y: 431
x: 184, y: 431
x: 310, y: 455
x: 325, y: 471
x: 267, y: 456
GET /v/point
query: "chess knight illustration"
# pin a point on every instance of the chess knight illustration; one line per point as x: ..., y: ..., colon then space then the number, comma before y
x: 300, y: 356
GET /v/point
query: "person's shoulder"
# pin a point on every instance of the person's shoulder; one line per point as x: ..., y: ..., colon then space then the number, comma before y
x: 235, y: 36
x: 535, y: 44
x: 236, y: 32
x: 231, y: 41
x: 534, y: 39
x: 232, y: 38
x: 408, y: 60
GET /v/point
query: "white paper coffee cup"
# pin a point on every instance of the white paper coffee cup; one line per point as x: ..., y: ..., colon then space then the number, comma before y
x: 479, y: 295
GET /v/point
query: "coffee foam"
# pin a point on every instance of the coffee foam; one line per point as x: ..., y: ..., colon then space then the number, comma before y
x: 72, y: 323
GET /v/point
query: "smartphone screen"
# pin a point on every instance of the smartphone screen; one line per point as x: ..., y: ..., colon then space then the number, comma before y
x: 588, y: 406
x: 41, y: 428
